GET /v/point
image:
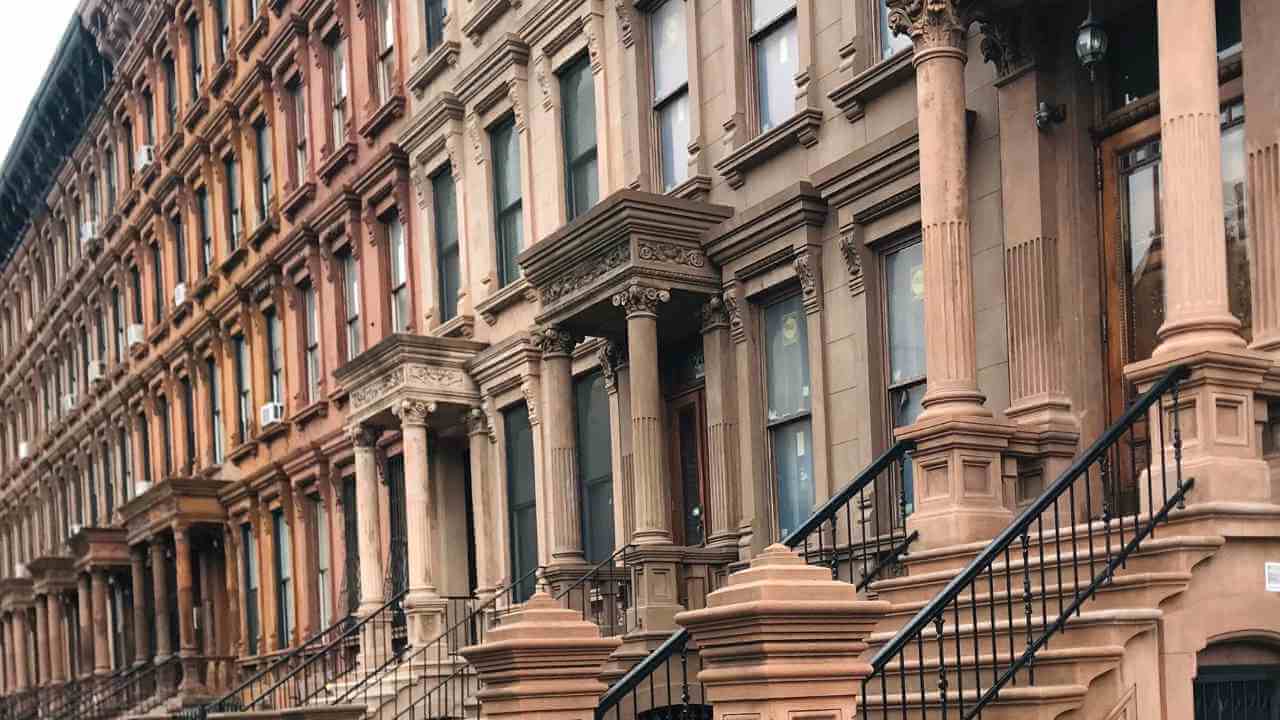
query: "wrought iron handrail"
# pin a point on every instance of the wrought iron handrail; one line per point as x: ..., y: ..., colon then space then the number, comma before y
x: 887, y: 537
x: 602, y: 576
x: 1105, y: 453
x: 69, y: 692
x: 91, y: 693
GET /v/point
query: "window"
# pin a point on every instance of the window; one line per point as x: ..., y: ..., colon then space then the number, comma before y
x: 157, y: 283
x: 890, y: 44
x: 904, y: 319
x: 443, y: 194
x: 508, y: 219
x: 298, y: 103
x: 773, y: 42
x: 196, y: 58
x: 144, y: 434
x: 179, y: 251
x: 166, y: 433
x: 521, y: 499
x: 222, y: 17
x: 170, y: 95
x: 189, y: 420
x: 92, y: 481
x: 249, y: 557
x: 215, y: 409
x: 351, y: 536
x: 338, y: 89
x: 135, y: 280
x: 206, y: 231
x: 324, y: 559
x: 396, y: 248
x: 109, y: 175
x: 126, y: 463
x: 100, y: 333
x: 351, y: 302
x: 253, y: 9
x: 149, y: 116
x: 578, y: 97
x: 386, y: 49
x: 244, y: 387
x: 262, y: 152
x: 788, y: 422
x: 108, y: 484
x: 670, y: 57
x: 129, y: 155
x: 311, y: 341
x: 275, y: 357
x: 231, y: 171
x: 284, y: 574
x: 435, y: 15
x: 595, y: 466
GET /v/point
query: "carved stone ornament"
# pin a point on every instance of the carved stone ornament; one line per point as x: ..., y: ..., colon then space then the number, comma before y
x: 734, y: 312
x: 542, y: 74
x: 807, y: 275
x: 362, y: 436
x: 553, y: 340
x: 931, y: 24
x: 477, y: 147
x: 593, y: 44
x: 849, y: 250
x: 478, y: 422
x: 671, y: 253
x: 585, y: 273
x: 414, y: 412
x: 1002, y: 46
x: 624, y: 21
x: 640, y: 299
x: 517, y: 105
x: 714, y: 314
x: 530, y: 401
x: 612, y: 356
x: 421, y: 182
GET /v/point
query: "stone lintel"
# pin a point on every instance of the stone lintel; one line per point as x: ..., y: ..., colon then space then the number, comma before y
x: 630, y: 236
x: 405, y: 367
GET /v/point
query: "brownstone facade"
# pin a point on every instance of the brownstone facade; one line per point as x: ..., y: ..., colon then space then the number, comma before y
x: 313, y: 306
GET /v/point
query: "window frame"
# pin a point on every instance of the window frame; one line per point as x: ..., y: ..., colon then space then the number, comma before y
x: 755, y: 36
x: 661, y: 103
x: 783, y: 293
x: 513, y: 209
x: 580, y: 63
x: 448, y: 254
x: 353, y: 333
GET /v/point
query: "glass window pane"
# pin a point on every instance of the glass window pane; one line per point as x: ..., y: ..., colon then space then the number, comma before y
x: 673, y: 132
x: 1145, y: 256
x: 764, y: 11
x: 595, y: 465
x: 787, y: 363
x: 506, y: 163
x: 667, y: 28
x: 446, y: 220
x: 521, y: 503
x: 577, y: 94
x: 775, y: 74
x: 792, y: 445
x: 904, y: 290
x: 1236, y: 211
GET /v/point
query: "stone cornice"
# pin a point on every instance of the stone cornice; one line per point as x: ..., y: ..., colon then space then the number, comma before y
x: 853, y: 95
x: 799, y: 206
x: 477, y: 77
x: 414, y: 367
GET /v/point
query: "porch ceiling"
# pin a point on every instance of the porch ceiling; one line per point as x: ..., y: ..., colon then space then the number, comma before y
x: 415, y: 368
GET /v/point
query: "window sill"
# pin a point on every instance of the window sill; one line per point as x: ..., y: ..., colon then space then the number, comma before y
x: 243, y: 451
x: 149, y: 175
x: 206, y: 285
x: 852, y: 96
x: 251, y: 34
x: 484, y: 17
x: 172, y: 144
x: 432, y: 66
x: 130, y: 201
x: 344, y: 155
x: 516, y: 292
x: 390, y: 111
x: 236, y: 257
x: 695, y: 188
x: 197, y: 110
x: 317, y: 409
x: 297, y: 199
x: 800, y: 129
x: 160, y: 331
x: 180, y: 313
x: 457, y: 326
x: 273, y: 431
x: 265, y: 229
x: 222, y: 74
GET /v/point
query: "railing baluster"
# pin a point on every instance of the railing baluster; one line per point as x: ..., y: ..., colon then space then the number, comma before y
x: 1026, y: 604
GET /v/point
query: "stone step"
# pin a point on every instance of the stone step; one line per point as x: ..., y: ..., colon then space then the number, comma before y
x: 1052, y: 666
x: 1044, y: 702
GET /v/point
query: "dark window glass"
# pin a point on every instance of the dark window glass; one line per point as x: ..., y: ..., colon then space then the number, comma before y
x: 189, y: 420
x: 446, y: 216
x: 244, y: 386
x: 351, y: 303
x: 508, y: 220
x: 521, y: 498
x: 206, y: 231
x: 788, y: 398
x: 170, y: 95
x: 434, y: 12
x: 904, y: 317
x: 577, y: 97
x: 144, y: 433
x: 284, y: 574
x: 166, y: 433
x: 196, y: 57
x: 668, y: 30
x: 262, y: 150
x: 215, y: 409
x: 773, y: 39
x: 157, y: 283
x: 179, y: 251
x: 595, y: 466
x: 249, y: 558
x: 235, y: 218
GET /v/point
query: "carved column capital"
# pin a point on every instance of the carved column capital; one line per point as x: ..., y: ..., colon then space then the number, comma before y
x: 612, y: 356
x: 933, y: 25
x: 478, y: 422
x: 362, y: 436
x: 414, y: 412
x: 639, y: 299
x: 554, y: 340
x: 715, y: 316
x: 807, y: 272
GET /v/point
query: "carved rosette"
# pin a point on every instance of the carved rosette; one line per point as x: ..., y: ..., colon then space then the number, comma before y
x: 414, y: 412
x: 553, y: 341
x: 714, y: 315
x: 934, y: 25
x: 362, y: 436
x: 640, y: 299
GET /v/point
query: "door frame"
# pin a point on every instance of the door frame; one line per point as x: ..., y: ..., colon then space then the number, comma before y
x: 692, y: 396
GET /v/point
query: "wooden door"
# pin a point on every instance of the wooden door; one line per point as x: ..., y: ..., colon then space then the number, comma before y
x: 686, y: 430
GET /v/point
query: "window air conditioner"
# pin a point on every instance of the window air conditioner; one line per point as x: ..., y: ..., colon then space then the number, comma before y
x: 146, y: 157
x: 97, y: 370
x: 179, y: 293
x: 24, y: 450
x: 136, y: 334
x: 272, y: 412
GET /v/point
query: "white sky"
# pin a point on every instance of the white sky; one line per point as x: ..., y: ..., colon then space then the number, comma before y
x: 29, y: 35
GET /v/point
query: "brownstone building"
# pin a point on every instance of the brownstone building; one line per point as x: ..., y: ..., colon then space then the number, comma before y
x: 644, y: 359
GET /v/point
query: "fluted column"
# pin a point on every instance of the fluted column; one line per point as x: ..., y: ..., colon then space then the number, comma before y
x: 188, y: 649
x: 1197, y: 314
x: 363, y: 439
x: 652, y: 490
x: 484, y: 502
x: 564, y: 511
x: 84, y: 597
x: 42, y: 640
x: 1262, y: 146
x: 613, y: 365
x: 950, y: 353
x: 20, y: 653
x: 101, y: 650
x: 720, y: 517
x: 423, y: 604
x: 160, y: 602
x: 141, y: 636
x: 57, y: 643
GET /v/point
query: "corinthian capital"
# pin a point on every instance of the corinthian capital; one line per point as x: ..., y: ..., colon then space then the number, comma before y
x: 553, y: 340
x: 362, y: 436
x: 640, y: 299
x: 414, y: 412
x: 932, y: 24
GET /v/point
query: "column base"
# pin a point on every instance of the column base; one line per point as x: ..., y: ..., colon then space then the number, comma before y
x: 191, y: 683
x: 425, y: 613
x: 1045, y: 441
x: 655, y: 577
x: 957, y: 472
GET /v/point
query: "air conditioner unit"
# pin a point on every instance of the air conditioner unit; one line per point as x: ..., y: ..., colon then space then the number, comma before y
x: 135, y: 334
x: 69, y: 402
x: 76, y: 528
x: 97, y: 370
x: 179, y: 293
x: 31, y: 325
x: 24, y: 450
x: 20, y: 570
x: 272, y: 412
x: 146, y: 157
x: 141, y: 488
x: 89, y: 232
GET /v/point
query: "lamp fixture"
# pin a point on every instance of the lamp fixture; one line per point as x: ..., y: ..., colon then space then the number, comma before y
x: 1091, y: 43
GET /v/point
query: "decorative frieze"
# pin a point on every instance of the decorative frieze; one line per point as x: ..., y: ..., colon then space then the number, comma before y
x: 585, y: 273
x: 655, y: 251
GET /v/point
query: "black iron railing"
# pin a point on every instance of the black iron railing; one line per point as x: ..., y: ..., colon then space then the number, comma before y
x: 308, y: 669
x: 984, y: 629
x: 859, y: 533
x: 434, y: 680
x: 111, y: 695
x: 603, y: 593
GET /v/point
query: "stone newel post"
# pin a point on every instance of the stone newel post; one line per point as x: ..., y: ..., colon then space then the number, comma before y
x: 783, y: 640
x: 542, y: 663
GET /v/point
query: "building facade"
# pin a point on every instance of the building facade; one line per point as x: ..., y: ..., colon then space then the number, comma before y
x: 312, y: 306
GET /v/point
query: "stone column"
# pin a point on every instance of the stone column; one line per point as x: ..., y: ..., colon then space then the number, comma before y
x: 761, y: 636
x: 160, y: 602
x: 57, y: 644
x: 20, y: 653
x: 363, y: 438
x: 564, y: 501
x: 1262, y: 146
x: 652, y: 488
x: 141, y: 629
x: 958, y: 473
x: 423, y: 604
x: 613, y: 365
x: 6, y: 657
x: 564, y: 652
x: 483, y: 501
x: 188, y: 649
x: 42, y: 641
x: 720, y: 517
x: 84, y: 597
x: 101, y: 650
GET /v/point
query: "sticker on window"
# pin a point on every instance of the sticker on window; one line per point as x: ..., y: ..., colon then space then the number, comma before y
x: 800, y: 444
x: 790, y: 329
